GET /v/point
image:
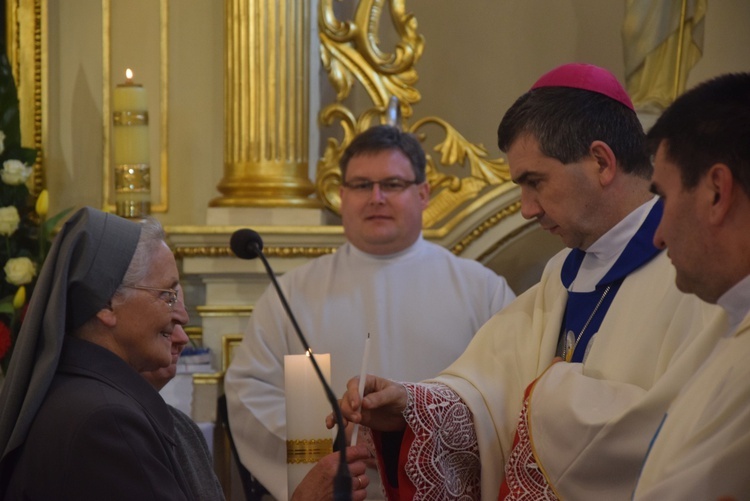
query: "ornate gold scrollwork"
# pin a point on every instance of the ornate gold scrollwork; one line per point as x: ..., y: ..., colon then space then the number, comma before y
x: 350, y: 51
x: 270, y: 251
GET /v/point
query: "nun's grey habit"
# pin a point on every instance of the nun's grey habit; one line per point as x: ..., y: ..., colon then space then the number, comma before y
x: 76, y: 422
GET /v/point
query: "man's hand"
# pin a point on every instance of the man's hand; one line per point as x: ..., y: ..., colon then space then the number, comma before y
x: 381, y: 409
x: 318, y: 483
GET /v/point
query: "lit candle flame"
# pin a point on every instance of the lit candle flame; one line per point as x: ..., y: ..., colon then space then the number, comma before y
x: 129, y: 75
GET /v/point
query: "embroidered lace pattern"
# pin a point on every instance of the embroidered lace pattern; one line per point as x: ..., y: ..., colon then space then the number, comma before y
x: 524, y: 481
x: 443, y: 461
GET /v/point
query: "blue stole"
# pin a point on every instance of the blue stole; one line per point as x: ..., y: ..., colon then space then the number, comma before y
x: 578, y: 310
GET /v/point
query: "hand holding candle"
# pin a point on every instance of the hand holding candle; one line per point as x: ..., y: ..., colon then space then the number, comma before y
x: 362, y: 377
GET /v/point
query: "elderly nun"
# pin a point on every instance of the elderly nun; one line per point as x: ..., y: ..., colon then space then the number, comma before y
x: 77, y: 420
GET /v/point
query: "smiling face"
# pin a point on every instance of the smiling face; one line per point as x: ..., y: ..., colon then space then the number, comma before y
x: 143, y: 322
x: 376, y: 222
x: 160, y: 377
x: 682, y: 227
x: 561, y: 197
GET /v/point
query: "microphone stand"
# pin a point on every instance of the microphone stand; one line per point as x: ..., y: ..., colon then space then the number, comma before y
x: 342, y: 483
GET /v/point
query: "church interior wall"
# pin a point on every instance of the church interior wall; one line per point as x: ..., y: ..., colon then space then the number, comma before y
x: 479, y: 56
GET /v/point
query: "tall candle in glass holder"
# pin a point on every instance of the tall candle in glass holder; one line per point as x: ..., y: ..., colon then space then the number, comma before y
x: 131, y: 149
x: 307, y: 438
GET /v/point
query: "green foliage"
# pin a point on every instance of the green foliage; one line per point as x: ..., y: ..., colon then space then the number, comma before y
x: 31, y: 238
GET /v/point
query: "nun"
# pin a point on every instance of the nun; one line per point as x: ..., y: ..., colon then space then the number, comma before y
x: 77, y: 419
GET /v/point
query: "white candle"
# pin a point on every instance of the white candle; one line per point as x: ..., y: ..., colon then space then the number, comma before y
x: 362, y: 376
x: 307, y: 406
x: 130, y: 106
x: 131, y: 149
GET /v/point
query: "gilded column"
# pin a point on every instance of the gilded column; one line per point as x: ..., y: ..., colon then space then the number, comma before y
x: 266, y: 105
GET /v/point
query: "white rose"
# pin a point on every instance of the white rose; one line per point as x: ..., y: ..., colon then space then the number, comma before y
x: 2, y: 142
x: 15, y: 172
x: 9, y: 220
x: 19, y: 270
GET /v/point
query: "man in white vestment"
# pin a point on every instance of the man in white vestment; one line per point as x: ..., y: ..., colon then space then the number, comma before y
x: 702, y: 170
x: 607, y: 307
x: 420, y: 304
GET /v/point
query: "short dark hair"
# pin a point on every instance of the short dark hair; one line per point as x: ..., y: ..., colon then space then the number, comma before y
x: 707, y: 125
x: 382, y: 138
x: 565, y: 121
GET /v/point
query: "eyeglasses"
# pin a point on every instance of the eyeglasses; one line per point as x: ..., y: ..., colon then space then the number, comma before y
x: 169, y: 296
x: 390, y: 185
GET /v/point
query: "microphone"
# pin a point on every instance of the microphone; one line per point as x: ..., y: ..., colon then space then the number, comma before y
x: 247, y: 244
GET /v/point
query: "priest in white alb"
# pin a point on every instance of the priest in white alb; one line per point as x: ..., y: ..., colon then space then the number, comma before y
x: 420, y: 304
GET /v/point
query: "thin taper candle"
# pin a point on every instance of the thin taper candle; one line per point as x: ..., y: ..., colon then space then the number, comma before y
x: 362, y: 377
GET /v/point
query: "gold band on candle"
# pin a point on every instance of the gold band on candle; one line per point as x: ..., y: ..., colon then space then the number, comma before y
x: 132, y: 177
x: 308, y: 451
x: 130, y: 117
x: 132, y: 208
x: 133, y: 190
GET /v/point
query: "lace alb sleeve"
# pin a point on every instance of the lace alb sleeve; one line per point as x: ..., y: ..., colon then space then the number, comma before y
x: 443, y: 460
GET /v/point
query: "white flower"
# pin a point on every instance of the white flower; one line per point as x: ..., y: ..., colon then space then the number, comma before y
x: 2, y: 142
x: 15, y: 172
x: 9, y: 220
x: 19, y: 270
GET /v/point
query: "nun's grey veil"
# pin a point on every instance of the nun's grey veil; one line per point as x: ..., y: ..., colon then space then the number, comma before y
x: 83, y: 269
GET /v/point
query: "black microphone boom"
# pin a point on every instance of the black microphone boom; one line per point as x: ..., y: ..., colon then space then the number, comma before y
x: 247, y: 244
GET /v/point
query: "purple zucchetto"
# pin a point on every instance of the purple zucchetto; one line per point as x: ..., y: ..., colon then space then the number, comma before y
x: 585, y: 77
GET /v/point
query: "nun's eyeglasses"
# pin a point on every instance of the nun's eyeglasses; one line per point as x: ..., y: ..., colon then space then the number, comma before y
x: 169, y: 296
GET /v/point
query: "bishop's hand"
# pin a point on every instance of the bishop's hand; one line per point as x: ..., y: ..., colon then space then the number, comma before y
x: 381, y: 408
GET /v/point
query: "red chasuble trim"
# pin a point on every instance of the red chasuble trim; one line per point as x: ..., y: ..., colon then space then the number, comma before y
x: 405, y: 490
x: 439, y: 454
x: 524, y: 477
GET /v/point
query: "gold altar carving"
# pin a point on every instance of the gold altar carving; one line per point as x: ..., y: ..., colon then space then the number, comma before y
x: 312, y: 252
x: 484, y: 226
x: 224, y: 311
x: 350, y: 52
x: 26, y: 22
x: 270, y: 251
x: 266, y: 105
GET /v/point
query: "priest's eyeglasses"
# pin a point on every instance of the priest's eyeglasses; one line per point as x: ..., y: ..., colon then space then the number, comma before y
x: 389, y: 185
x: 169, y: 296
